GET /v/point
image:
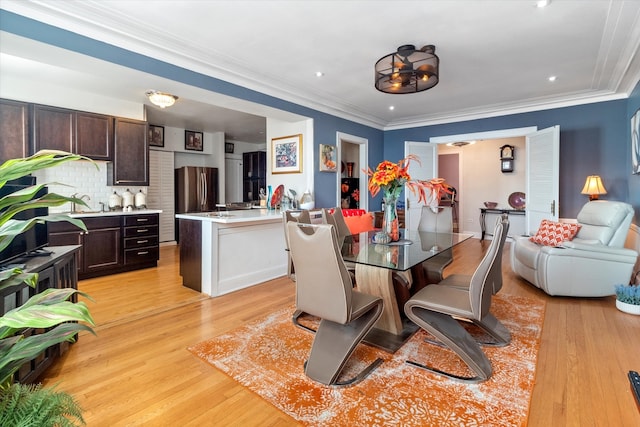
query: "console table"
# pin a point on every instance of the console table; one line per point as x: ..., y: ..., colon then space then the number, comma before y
x: 485, y: 211
x: 56, y: 269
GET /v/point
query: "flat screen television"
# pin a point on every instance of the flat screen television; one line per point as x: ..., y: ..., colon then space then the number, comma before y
x: 30, y: 241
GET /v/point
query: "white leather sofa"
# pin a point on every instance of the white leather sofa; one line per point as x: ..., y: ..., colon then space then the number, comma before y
x: 588, y: 266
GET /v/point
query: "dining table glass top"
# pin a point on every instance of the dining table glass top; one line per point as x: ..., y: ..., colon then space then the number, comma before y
x: 413, y: 248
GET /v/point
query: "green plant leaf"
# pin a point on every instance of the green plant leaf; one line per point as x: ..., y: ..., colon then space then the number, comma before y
x: 45, y: 316
x: 17, y: 168
x: 28, y: 348
x: 16, y: 276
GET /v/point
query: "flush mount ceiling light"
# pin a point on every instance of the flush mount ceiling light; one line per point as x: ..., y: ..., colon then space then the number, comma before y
x: 161, y: 99
x: 408, y: 70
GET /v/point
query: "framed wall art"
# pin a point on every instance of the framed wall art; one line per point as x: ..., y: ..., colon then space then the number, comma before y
x: 156, y: 136
x: 635, y: 143
x: 228, y: 147
x: 328, y: 161
x: 286, y: 154
x: 192, y: 140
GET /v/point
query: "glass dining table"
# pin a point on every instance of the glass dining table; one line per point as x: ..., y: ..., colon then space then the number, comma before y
x: 375, y: 265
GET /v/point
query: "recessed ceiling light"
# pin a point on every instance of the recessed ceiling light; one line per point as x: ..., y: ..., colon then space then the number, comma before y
x: 319, y: 74
x: 552, y: 78
x: 543, y: 3
x: 391, y: 107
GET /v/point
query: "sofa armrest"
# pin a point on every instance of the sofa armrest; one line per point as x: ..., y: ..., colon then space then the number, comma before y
x: 594, y: 251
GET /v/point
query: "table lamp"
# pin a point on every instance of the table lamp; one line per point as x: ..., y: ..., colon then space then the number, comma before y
x: 593, y: 187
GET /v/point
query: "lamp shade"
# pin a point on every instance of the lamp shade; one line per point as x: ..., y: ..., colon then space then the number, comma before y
x: 161, y: 99
x: 593, y: 187
x: 408, y: 70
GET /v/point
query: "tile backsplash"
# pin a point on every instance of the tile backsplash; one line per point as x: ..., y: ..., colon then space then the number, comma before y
x: 81, y: 177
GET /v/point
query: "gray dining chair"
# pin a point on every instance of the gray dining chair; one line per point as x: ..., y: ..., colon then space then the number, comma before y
x: 440, y: 309
x: 432, y: 270
x: 324, y: 289
x: 301, y: 216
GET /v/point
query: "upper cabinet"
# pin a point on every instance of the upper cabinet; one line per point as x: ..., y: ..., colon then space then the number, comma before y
x: 14, y: 130
x: 53, y: 128
x: 78, y: 132
x: 130, y: 164
x: 94, y: 135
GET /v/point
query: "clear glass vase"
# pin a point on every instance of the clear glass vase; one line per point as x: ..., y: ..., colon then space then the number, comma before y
x: 390, y: 223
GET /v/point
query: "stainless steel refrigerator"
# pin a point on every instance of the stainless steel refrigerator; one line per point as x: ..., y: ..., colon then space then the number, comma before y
x: 196, y: 189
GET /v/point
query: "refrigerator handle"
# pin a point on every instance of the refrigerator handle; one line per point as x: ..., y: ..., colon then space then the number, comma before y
x: 204, y: 191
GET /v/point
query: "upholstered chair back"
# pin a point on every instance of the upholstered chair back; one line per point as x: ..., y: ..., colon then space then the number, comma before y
x: 323, y: 284
x: 481, y: 286
x: 440, y: 221
x: 605, y: 221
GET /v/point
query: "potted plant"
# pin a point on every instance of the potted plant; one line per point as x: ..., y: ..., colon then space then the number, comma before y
x: 628, y: 298
x: 51, y: 309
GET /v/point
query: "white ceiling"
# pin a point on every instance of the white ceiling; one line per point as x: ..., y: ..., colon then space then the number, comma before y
x: 495, y: 56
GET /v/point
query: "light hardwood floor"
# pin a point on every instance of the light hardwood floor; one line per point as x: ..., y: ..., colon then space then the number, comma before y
x: 137, y: 371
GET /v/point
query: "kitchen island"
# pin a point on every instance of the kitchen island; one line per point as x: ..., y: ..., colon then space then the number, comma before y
x: 221, y: 252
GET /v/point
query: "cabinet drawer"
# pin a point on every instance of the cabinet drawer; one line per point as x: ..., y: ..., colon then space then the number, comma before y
x: 151, y: 219
x: 140, y: 231
x: 140, y: 242
x: 90, y: 223
x: 142, y: 255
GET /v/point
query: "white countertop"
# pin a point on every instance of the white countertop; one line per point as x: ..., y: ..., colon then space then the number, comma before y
x: 110, y: 213
x: 234, y: 217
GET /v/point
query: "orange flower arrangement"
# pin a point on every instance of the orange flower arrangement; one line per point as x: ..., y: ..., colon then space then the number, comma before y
x: 392, y: 177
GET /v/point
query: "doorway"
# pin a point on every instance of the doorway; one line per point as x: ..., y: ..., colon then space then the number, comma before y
x: 352, y: 159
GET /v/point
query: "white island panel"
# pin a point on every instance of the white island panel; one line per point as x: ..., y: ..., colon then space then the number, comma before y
x: 239, y: 249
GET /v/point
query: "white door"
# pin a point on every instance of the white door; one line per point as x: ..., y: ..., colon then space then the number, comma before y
x: 161, y: 193
x: 427, y: 169
x: 543, y: 172
x: 233, y: 180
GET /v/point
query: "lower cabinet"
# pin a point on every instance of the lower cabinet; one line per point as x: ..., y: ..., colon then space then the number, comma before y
x: 57, y: 270
x: 111, y: 244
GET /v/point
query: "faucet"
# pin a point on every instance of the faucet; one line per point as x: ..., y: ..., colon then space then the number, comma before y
x: 82, y: 197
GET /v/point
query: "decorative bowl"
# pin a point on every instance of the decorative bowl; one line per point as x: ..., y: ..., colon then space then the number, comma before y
x: 382, y: 238
x: 490, y: 205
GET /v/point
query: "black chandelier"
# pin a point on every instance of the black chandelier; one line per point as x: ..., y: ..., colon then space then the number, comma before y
x: 408, y: 70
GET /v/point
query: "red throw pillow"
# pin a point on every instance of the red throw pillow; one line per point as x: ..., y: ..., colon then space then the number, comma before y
x: 360, y: 224
x: 553, y: 233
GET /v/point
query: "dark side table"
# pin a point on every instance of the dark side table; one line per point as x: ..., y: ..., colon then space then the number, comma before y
x: 485, y: 211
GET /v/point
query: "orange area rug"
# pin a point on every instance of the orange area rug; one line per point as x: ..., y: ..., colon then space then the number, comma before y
x: 267, y: 356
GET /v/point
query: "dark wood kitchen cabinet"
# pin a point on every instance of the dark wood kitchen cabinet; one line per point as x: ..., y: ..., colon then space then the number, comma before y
x: 130, y: 164
x: 101, y: 244
x: 77, y: 132
x: 112, y: 243
x: 94, y: 136
x: 14, y: 129
x: 53, y: 128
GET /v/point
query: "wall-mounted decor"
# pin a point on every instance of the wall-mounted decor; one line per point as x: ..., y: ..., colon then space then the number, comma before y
x: 507, y: 156
x: 635, y: 142
x: 328, y: 158
x: 156, y: 136
x: 192, y: 140
x: 228, y: 147
x: 286, y: 154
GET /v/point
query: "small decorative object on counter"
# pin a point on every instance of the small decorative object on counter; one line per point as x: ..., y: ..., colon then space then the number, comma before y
x: 115, y: 202
x: 141, y: 200
x: 127, y: 199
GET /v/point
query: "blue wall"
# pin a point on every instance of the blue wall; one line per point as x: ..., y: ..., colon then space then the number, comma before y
x: 593, y: 141
x: 594, y: 138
